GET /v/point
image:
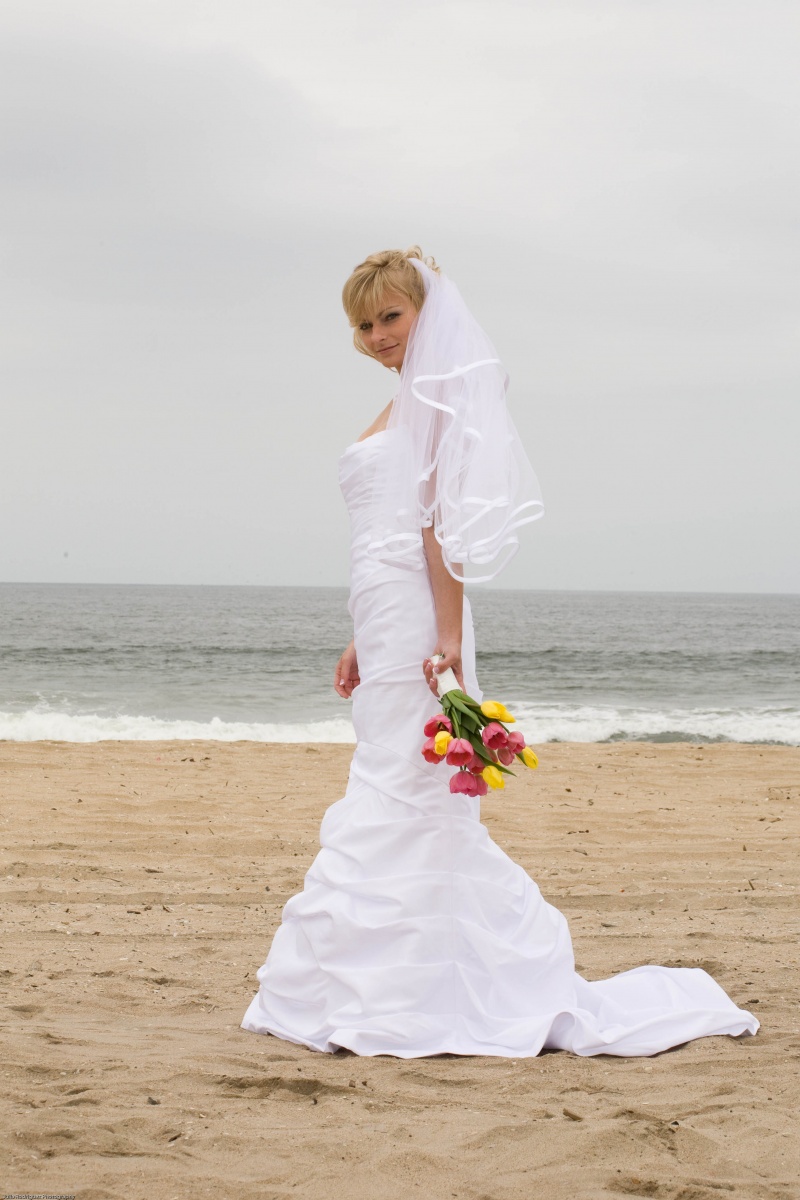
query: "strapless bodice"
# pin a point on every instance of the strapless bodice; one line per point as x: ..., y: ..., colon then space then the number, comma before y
x: 358, y: 466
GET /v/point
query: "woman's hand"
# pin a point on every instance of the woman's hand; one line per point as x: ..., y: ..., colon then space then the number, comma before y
x: 451, y: 650
x: 346, y: 677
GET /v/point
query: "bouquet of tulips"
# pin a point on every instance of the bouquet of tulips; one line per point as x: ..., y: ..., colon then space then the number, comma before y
x: 474, y: 738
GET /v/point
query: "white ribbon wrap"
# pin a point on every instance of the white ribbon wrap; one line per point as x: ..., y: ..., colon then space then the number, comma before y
x: 446, y: 682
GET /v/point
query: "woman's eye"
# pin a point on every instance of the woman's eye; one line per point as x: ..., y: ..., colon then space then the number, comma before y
x: 391, y: 316
x: 364, y: 326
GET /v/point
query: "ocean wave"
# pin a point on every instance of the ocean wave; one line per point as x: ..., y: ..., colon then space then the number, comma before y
x: 602, y: 723
x: 47, y: 726
x: 540, y: 723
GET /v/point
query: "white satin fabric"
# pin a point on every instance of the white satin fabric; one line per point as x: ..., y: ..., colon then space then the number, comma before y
x: 415, y: 934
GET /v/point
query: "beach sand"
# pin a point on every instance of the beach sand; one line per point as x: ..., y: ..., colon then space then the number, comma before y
x: 143, y: 882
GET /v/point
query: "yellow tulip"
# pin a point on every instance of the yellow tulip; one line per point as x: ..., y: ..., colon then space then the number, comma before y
x: 529, y: 758
x: 496, y: 711
x: 493, y: 777
x: 442, y: 741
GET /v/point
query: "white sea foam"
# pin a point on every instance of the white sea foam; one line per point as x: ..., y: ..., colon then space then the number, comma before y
x: 539, y: 723
x: 39, y: 726
x: 602, y: 723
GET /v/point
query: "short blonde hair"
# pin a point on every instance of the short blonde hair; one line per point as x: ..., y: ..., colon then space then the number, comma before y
x: 386, y: 271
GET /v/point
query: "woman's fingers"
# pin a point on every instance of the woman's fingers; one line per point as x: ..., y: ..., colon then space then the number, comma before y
x: 450, y: 658
x: 430, y: 678
x: 346, y: 676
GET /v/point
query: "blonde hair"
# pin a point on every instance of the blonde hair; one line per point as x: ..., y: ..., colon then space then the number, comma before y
x: 386, y: 271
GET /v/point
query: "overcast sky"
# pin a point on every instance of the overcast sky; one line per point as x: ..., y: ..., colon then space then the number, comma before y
x: 614, y: 186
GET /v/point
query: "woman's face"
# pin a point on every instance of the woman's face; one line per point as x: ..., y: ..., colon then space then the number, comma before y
x: 385, y: 334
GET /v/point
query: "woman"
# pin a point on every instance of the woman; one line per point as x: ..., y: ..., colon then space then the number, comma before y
x: 415, y: 934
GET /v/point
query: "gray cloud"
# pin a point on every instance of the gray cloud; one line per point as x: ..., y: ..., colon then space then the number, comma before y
x: 184, y: 190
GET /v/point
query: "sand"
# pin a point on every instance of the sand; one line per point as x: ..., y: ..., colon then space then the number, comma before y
x: 143, y: 882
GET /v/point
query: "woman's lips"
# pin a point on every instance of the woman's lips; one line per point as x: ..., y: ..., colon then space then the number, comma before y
x: 386, y: 349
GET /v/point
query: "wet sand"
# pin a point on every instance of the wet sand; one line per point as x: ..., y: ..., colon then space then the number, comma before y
x: 142, y: 884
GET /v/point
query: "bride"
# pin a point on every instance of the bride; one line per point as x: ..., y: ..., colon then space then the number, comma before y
x: 414, y: 933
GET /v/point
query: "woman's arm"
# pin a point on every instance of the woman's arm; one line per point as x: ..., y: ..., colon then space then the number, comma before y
x: 448, y: 595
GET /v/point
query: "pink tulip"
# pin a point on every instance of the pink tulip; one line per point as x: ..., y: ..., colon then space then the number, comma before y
x: 516, y: 742
x: 476, y: 764
x: 459, y: 752
x: 494, y: 736
x: 505, y: 755
x: 429, y: 753
x: 463, y: 783
x: 434, y: 724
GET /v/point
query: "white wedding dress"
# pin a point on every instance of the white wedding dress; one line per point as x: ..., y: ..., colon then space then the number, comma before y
x: 414, y: 933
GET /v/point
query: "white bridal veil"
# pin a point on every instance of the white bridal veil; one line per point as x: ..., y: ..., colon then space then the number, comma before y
x: 455, y: 460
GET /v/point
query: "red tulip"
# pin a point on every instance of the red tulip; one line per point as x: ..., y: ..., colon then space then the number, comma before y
x: 516, y: 742
x: 429, y: 753
x: 476, y: 764
x: 459, y: 752
x: 505, y: 755
x: 494, y: 736
x: 434, y: 724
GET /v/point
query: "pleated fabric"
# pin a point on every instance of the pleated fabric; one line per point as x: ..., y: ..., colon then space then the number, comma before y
x: 415, y: 934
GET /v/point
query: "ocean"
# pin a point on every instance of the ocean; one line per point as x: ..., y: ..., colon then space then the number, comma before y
x: 85, y: 663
